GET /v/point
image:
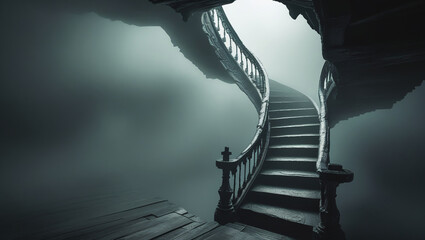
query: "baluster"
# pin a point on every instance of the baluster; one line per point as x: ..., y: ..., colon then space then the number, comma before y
x: 244, y: 173
x: 256, y: 76
x: 234, y: 185
x: 252, y: 70
x: 240, y: 188
x: 230, y: 43
x: 258, y: 154
x: 249, y: 167
x: 247, y: 64
x: 254, y: 159
x: 236, y: 49
x: 262, y: 82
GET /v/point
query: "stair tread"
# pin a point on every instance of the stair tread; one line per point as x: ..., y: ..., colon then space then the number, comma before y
x: 291, y: 109
x: 289, y: 173
x: 291, y: 215
x: 293, y: 117
x: 298, y: 125
x: 287, y: 191
x: 305, y: 146
x: 296, y: 135
x: 291, y: 159
x: 291, y: 101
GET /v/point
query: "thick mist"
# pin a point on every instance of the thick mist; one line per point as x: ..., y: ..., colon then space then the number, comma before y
x: 385, y: 150
x: 290, y: 50
x: 92, y: 106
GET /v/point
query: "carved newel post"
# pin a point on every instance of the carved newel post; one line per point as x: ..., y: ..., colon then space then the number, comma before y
x: 225, y: 212
x: 330, y: 178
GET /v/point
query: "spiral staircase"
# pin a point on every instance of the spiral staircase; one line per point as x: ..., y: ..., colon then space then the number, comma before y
x: 273, y: 184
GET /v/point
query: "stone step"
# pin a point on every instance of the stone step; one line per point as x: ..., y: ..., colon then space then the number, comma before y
x: 294, y: 223
x: 290, y: 192
x: 299, y: 150
x: 289, y: 178
x: 292, y: 112
x: 295, y: 139
x: 289, y: 198
x: 284, y: 121
x: 296, y: 164
x: 287, y: 98
x: 295, y: 129
x: 290, y: 104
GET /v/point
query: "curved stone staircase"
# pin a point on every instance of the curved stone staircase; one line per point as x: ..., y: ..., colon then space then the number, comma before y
x: 273, y: 184
x: 285, y: 196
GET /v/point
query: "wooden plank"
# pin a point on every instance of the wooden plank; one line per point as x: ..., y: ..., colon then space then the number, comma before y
x: 172, y: 234
x: 264, y: 234
x: 122, y: 219
x: 77, y: 223
x: 224, y: 232
x: 199, y: 231
x: 237, y: 226
x: 193, y: 225
x: 93, y: 226
x: 61, y: 221
x: 158, y: 227
x: 181, y: 231
x: 182, y: 211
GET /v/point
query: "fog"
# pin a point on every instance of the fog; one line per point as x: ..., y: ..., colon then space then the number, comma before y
x: 290, y: 50
x: 385, y: 150
x: 93, y: 106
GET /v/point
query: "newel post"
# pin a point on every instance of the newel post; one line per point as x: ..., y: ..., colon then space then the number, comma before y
x: 329, y: 227
x: 225, y: 212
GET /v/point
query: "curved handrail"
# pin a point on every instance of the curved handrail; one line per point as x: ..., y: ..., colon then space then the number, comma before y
x: 249, y: 74
x: 326, y: 85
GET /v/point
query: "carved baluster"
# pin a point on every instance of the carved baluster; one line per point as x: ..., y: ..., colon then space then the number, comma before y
x: 254, y: 163
x: 249, y: 166
x: 240, y: 188
x: 261, y: 82
x: 258, y: 154
x: 244, y: 173
x: 237, y: 50
x: 225, y: 212
x: 247, y: 64
x: 256, y: 76
x: 234, y: 185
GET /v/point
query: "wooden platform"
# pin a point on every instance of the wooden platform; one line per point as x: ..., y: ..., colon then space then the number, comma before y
x: 152, y: 218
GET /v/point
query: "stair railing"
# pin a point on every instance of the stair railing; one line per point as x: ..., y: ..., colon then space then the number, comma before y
x: 249, y: 74
x: 331, y: 175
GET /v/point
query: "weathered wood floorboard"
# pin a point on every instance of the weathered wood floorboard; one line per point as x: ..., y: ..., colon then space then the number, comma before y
x: 135, y: 220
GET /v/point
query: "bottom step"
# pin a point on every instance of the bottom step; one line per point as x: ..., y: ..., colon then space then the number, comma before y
x: 294, y: 223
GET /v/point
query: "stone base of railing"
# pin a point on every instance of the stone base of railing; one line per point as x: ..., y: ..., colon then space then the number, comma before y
x: 224, y: 216
x: 329, y: 227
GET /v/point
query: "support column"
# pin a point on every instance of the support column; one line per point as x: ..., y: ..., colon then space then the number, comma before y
x: 225, y: 213
x: 329, y: 227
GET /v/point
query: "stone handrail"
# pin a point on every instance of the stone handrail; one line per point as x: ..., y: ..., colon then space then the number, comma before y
x: 330, y: 175
x: 249, y: 74
x: 326, y: 85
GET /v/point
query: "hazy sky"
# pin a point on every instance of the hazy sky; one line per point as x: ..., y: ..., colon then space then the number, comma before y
x: 289, y: 49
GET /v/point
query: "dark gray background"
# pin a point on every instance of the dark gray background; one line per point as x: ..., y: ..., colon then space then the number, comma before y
x: 93, y: 106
